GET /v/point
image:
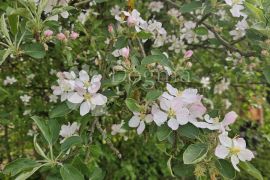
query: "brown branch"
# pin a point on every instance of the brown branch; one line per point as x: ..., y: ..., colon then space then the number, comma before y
x: 108, y: 140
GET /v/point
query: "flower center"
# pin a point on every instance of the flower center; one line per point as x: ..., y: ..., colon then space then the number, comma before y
x: 86, y: 83
x: 87, y: 96
x: 142, y: 116
x: 235, y: 150
x: 171, y: 112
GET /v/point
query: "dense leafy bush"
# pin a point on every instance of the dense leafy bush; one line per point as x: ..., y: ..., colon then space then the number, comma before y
x: 99, y: 89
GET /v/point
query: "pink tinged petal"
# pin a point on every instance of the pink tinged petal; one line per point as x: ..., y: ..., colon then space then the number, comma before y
x: 199, y: 124
x: 85, y: 108
x: 141, y: 128
x: 75, y: 98
x: 173, y: 91
x: 173, y: 124
x: 245, y: 155
x: 94, y: 87
x: 235, y: 161
x: 229, y: 118
x: 221, y: 152
x: 134, y: 121
x: 182, y: 116
x: 99, y: 99
x: 225, y: 140
x: 240, y: 142
x: 229, y: 2
x: 197, y: 110
x: 84, y: 75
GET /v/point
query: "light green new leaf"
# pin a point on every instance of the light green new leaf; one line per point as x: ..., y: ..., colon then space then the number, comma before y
x: 250, y: 169
x: 189, y: 131
x: 161, y: 59
x: 132, y: 105
x: 195, y: 153
x: 60, y: 110
x: 266, y: 73
x: 25, y: 175
x: 19, y: 165
x: 153, y: 95
x: 43, y: 128
x: 4, y: 54
x: 38, y: 148
x: 256, y: 12
x: 71, y: 141
x: 188, y: 7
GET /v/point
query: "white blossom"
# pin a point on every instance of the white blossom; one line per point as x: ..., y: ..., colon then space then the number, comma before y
x: 118, y: 128
x: 138, y: 121
x: 205, y: 81
x: 53, y: 98
x: 25, y: 99
x: 9, y: 80
x: 235, y: 149
x: 156, y: 6
x: 69, y: 130
x: 222, y: 86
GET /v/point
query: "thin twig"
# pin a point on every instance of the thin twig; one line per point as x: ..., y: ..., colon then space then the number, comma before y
x: 141, y: 47
x: 225, y: 43
x: 108, y: 140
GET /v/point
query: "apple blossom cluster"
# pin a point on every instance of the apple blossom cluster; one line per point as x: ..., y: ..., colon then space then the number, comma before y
x: 61, y: 36
x: 80, y: 90
x: 133, y: 19
x: 176, y: 108
x: 69, y: 130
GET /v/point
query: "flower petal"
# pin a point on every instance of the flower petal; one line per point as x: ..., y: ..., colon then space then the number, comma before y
x: 173, y: 124
x: 75, y: 98
x: 141, y: 128
x: 173, y: 91
x: 134, y: 121
x: 235, y: 161
x: 85, y: 108
x: 83, y: 76
x: 229, y: 118
x: 225, y: 140
x: 245, y: 155
x: 221, y: 152
x: 99, y: 99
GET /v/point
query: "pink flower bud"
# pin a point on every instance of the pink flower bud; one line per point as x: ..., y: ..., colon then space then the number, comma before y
x: 188, y: 54
x: 230, y: 118
x: 74, y: 35
x: 125, y: 52
x: 48, y: 33
x: 61, y: 36
x: 131, y: 21
x: 110, y: 28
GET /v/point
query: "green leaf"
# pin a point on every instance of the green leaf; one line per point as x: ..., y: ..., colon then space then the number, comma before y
x: 3, y: 27
x: 225, y: 168
x: 4, y: 54
x: 43, y: 128
x: 27, y: 174
x: 195, y: 153
x: 38, y: 148
x: 81, y: 166
x: 68, y: 172
x: 13, y: 23
x: 256, y: 12
x: 251, y: 170
x: 54, y: 128
x: 163, y: 132
x: 132, y: 105
x: 60, y: 110
x: 97, y: 174
x: 182, y: 170
x: 121, y: 42
x: 161, y: 58
x: 35, y: 50
x: 201, y: 31
x: 19, y: 165
x: 116, y: 79
x: 266, y: 73
x: 190, y: 6
x: 71, y: 141
x: 144, y: 35
x: 153, y: 95
x: 189, y: 131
